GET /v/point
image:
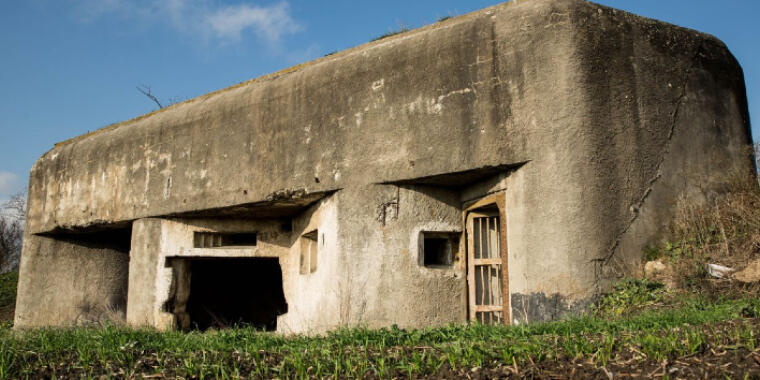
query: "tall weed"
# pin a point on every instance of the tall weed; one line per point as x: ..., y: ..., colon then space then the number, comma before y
x: 723, y: 230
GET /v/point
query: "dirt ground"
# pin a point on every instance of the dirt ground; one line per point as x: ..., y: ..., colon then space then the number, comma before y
x: 730, y: 364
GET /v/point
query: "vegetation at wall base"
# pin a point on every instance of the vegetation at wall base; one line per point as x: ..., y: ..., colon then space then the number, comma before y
x: 723, y: 230
x: 696, y: 338
x: 8, y: 282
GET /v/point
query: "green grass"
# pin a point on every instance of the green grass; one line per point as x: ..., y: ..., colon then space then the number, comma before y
x: 385, y: 353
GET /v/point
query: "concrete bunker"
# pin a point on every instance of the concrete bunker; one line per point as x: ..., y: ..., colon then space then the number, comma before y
x: 549, y: 136
x: 226, y: 292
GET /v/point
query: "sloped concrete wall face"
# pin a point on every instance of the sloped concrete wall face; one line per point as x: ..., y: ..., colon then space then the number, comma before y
x: 599, y: 119
x: 668, y: 111
x: 356, y: 118
x: 663, y: 115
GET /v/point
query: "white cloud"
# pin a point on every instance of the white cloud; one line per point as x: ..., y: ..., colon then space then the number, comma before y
x: 269, y: 23
x: 205, y: 19
x: 8, y: 183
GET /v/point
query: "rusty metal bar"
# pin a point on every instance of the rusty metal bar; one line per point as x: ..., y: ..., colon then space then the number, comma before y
x: 488, y: 308
x: 493, y: 261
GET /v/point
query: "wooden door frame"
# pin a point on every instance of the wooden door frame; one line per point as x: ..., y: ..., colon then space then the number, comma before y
x: 499, y: 200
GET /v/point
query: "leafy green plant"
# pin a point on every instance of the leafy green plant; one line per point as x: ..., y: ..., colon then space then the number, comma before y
x: 629, y: 295
x: 673, y: 250
x: 652, y: 252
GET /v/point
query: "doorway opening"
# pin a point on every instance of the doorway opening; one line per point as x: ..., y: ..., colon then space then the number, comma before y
x: 228, y: 292
x: 486, y: 269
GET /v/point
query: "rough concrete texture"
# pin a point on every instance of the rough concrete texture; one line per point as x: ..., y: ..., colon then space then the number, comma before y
x: 591, y: 121
x: 72, y: 281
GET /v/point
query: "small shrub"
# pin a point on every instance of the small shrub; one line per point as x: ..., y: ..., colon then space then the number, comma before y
x: 723, y: 230
x: 652, y: 253
x: 630, y: 295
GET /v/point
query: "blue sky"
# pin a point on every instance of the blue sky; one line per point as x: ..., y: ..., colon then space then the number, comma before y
x: 71, y: 66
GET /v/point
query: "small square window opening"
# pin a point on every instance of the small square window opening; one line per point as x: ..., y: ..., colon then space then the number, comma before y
x: 437, y: 249
x: 224, y: 239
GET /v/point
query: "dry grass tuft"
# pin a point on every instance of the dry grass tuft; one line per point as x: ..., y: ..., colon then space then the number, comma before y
x: 724, y: 230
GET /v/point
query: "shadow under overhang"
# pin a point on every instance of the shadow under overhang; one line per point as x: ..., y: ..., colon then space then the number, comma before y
x: 281, y: 204
x: 459, y: 179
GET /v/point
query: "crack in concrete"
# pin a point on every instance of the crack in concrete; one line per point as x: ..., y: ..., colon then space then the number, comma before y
x: 602, y: 261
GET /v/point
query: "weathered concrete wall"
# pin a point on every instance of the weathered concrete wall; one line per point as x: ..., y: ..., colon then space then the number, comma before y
x: 670, y: 109
x: 71, y: 282
x: 383, y: 282
x: 322, y: 121
x: 314, y: 298
x: 609, y: 117
x: 145, y: 264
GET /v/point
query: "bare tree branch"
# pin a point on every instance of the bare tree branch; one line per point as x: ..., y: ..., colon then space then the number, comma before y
x: 145, y: 90
x: 15, y: 208
x: 11, y: 231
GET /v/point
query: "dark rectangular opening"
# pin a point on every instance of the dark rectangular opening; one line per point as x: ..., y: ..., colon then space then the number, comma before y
x: 224, y: 239
x: 437, y: 249
x: 436, y: 252
x: 228, y: 292
x: 239, y: 239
